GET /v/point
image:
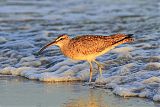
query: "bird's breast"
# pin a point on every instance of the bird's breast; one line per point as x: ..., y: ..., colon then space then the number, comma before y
x: 73, y: 54
x: 77, y: 55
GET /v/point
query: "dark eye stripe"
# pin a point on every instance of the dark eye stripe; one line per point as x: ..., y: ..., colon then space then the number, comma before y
x: 61, y: 38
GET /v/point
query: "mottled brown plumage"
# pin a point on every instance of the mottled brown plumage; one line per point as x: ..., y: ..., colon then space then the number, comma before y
x: 88, y: 47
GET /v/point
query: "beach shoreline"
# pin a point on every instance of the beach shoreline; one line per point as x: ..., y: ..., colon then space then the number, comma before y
x: 75, y: 94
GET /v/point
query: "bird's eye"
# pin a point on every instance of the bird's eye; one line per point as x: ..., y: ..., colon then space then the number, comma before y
x: 61, y: 39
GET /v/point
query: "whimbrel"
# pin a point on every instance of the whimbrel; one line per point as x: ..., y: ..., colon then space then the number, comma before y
x: 88, y: 47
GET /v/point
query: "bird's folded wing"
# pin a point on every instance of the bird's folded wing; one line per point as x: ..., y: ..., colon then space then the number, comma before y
x: 93, y: 44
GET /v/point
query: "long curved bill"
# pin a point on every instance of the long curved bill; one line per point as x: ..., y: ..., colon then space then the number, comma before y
x: 46, y: 46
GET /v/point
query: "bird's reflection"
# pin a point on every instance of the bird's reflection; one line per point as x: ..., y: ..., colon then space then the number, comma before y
x: 93, y: 99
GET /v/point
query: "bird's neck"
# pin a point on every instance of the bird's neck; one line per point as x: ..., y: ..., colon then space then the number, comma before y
x: 65, y: 49
x: 64, y: 45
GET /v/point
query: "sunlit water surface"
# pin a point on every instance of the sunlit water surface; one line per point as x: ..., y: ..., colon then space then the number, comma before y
x: 19, y: 92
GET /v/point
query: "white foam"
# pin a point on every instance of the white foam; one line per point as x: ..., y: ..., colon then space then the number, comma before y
x: 153, y: 66
x: 156, y: 97
x: 13, y: 71
x: 27, y: 59
x: 144, y: 93
x: 152, y: 80
x: 124, y: 91
x: 123, y: 50
x: 3, y: 39
x: 125, y: 69
x: 129, y: 90
x: 100, y: 80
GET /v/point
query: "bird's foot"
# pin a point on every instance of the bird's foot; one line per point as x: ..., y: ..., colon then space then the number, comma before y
x: 100, y: 80
x: 89, y: 84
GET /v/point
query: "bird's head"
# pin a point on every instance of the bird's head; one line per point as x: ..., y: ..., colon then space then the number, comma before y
x: 60, y: 41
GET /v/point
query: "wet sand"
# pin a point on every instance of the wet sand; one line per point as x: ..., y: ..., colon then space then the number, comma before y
x: 20, y: 92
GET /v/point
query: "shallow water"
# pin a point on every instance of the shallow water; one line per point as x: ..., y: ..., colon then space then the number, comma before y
x: 19, y: 92
x: 130, y: 69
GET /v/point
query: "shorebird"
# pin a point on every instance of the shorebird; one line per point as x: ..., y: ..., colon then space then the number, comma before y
x: 88, y: 47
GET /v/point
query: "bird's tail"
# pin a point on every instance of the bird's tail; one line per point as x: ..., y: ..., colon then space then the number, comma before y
x: 129, y: 38
x: 122, y: 38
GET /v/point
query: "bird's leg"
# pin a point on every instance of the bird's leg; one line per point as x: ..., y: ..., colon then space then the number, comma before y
x: 90, y: 63
x: 100, y: 66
